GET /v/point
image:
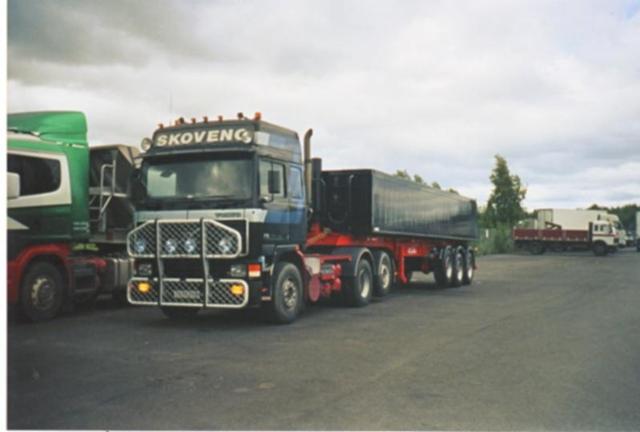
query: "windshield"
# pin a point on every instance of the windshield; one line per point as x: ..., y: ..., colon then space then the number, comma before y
x: 197, y: 178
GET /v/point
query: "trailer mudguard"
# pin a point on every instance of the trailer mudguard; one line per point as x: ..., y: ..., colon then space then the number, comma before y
x: 356, y: 253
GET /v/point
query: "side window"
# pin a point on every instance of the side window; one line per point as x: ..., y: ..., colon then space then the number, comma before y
x: 37, y: 175
x: 295, y: 183
x: 265, y: 167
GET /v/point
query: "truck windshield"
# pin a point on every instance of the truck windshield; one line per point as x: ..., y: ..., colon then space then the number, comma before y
x: 197, y: 178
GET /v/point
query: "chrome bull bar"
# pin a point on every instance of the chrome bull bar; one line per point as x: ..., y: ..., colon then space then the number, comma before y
x: 203, y: 239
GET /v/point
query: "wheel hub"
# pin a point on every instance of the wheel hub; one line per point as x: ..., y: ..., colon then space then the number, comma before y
x: 42, y: 293
x: 290, y: 293
x: 365, y: 283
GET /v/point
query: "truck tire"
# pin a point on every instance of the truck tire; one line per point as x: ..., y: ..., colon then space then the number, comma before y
x: 469, y: 266
x: 600, y: 249
x: 385, y: 277
x: 443, y: 269
x: 358, y: 290
x: 457, y: 275
x: 287, y: 294
x: 41, y: 292
x: 179, y: 313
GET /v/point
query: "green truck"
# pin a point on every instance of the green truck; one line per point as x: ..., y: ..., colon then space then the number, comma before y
x: 68, y: 214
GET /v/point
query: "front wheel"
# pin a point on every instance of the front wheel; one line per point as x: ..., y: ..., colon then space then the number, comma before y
x: 357, y: 290
x: 41, y: 292
x: 287, y: 298
x: 600, y: 249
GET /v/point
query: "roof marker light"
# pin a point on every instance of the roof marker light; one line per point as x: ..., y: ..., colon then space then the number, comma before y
x: 240, y: 116
x: 205, y: 119
x: 220, y: 118
x: 181, y: 120
x: 193, y: 120
x: 257, y: 116
x: 160, y: 126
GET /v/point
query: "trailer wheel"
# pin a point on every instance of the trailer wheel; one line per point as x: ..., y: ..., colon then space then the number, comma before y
x: 457, y: 275
x: 179, y: 312
x: 358, y: 289
x: 469, y: 266
x: 287, y: 294
x: 599, y: 248
x: 41, y: 292
x: 385, y: 277
x: 443, y: 269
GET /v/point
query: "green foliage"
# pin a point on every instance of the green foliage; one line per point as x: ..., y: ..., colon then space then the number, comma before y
x: 403, y: 174
x: 418, y: 179
x: 495, y: 240
x: 504, y: 206
x: 435, y: 185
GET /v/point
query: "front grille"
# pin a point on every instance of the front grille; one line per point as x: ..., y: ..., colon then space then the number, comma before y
x: 183, y: 239
x: 191, y: 292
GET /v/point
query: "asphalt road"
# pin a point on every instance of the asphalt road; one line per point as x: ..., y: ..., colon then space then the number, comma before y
x: 538, y: 342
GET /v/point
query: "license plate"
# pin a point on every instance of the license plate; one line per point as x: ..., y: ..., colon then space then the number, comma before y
x: 186, y: 295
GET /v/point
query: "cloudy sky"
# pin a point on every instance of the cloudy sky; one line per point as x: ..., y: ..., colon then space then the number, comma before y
x: 434, y: 87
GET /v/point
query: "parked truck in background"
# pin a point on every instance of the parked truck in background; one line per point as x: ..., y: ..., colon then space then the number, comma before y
x: 68, y: 214
x: 231, y: 215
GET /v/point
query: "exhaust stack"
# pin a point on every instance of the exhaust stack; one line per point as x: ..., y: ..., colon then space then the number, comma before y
x: 307, y: 165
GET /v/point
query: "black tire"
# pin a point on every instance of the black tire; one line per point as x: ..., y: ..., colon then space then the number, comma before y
x: 41, y: 292
x: 469, y: 266
x: 599, y: 249
x: 537, y: 248
x: 458, y: 268
x: 385, y: 276
x: 287, y: 294
x: 358, y: 290
x: 179, y: 312
x: 443, y: 270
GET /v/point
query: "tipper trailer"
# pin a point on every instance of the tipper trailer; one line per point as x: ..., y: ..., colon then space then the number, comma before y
x: 599, y: 237
x: 68, y: 214
x: 231, y: 215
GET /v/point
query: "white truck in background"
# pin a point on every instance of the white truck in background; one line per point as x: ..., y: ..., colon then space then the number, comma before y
x: 578, y: 219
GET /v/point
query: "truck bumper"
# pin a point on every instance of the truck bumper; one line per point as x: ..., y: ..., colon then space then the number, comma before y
x: 214, y: 293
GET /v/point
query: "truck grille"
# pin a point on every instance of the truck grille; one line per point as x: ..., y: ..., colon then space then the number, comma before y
x: 183, y: 239
x: 191, y: 292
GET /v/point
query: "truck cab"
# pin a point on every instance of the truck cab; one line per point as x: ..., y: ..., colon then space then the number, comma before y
x: 219, y: 203
x: 604, y: 237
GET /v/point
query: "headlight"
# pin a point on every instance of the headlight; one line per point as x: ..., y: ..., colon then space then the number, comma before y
x: 170, y: 246
x: 224, y: 245
x: 139, y: 245
x: 190, y: 245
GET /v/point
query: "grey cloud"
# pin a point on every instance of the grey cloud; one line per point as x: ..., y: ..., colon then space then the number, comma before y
x: 437, y: 88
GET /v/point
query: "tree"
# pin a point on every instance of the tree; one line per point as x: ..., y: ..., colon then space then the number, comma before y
x: 505, y: 202
x: 435, y: 185
x: 403, y: 174
x: 418, y: 179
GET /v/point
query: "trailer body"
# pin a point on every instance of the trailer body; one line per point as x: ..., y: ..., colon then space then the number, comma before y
x: 371, y: 202
x: 233, y: 216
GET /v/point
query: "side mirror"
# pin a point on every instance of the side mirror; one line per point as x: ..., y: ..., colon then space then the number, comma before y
x: 13, y: 185
x: 138, y: 191
x: 274, y: 182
